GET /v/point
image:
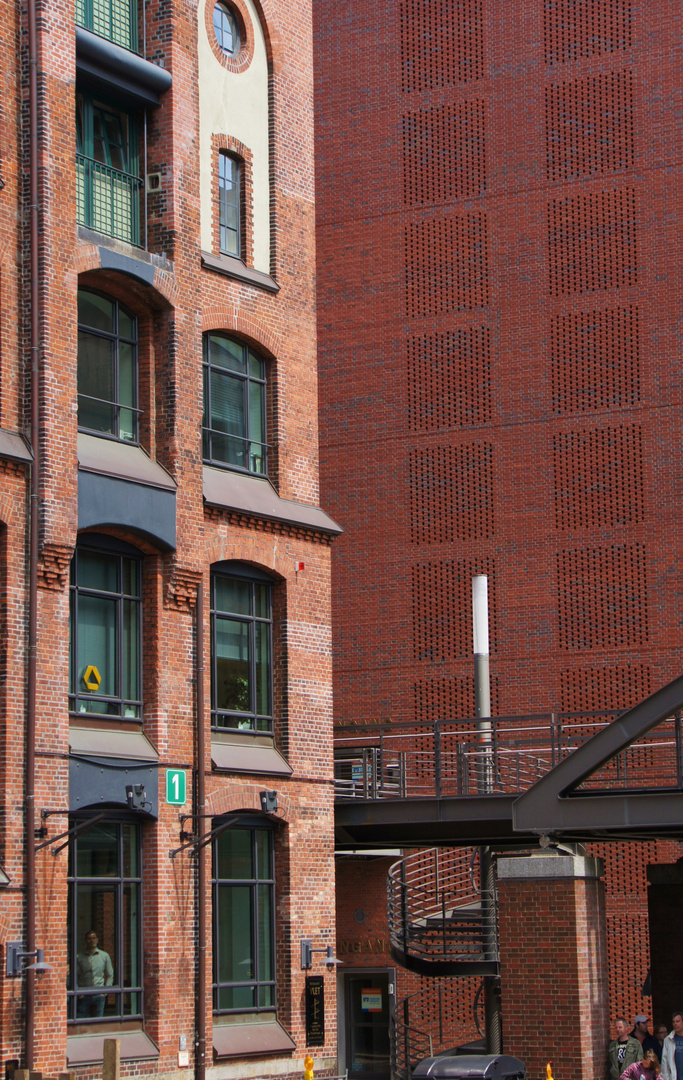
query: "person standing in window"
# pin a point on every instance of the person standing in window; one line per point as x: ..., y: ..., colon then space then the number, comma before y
x: 93, y: 969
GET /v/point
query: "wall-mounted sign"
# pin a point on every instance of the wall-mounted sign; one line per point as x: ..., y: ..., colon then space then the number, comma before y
x: 176, y: 787
x: 315, y: 1010
x: 371, y: 999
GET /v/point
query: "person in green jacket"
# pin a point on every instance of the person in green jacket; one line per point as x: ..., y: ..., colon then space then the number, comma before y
x: 623, y: 1050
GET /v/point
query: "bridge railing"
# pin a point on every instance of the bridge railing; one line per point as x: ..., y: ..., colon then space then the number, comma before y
x: 449, y: 758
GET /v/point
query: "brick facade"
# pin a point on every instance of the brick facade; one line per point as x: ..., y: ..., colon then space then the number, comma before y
x: 499, y: 295
x: 174, y: 299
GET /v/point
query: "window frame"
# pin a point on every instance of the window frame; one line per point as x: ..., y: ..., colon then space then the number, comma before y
x: 254, y: 824
x: 118, y: 550
x: 211, y: 435
x: 116, y: 338
x: 92, y: 15
x: 250, y: 722
x: 119, y: 881
x: 236, y: 200
x: 95, y: 173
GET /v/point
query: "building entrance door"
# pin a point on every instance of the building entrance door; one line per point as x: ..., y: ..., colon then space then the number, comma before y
x: 367, y: 1024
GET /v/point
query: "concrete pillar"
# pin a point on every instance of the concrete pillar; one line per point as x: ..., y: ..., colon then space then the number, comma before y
x: 553, y: 959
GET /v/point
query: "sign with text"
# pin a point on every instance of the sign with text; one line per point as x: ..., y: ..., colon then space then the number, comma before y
x: 315, y: 1010
x: 176, y: 787
x: 371, y: 1000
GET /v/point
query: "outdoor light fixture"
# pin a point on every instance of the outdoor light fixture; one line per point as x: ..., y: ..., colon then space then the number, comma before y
x: 268, y: 801
x: 16, y: 954
x: 307, y: 951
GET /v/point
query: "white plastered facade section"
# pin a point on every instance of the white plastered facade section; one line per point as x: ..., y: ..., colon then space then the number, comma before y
x: 235, y: 105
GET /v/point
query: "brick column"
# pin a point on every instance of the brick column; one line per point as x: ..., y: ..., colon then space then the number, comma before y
x: 553, y: 963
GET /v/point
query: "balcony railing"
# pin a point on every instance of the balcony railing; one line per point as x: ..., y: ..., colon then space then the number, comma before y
x: 108, y: 200
x: 115, y: 20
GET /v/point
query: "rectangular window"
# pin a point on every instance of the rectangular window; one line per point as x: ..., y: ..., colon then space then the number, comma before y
x: 241, y: 645
x: 229, y: 204
x: 107, y: 367
x: 244, y: 920
x: 108, y: 185
x: 104, y: 924
x: 115, y: 20
x: 106, y: 613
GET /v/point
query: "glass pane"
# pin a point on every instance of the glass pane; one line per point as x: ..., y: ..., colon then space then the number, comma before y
x: 232, y: 666
x: 98, y: 852
x: 131, y: 1004
x: 257, y: 367
x: 96, y: 312
x: 130, y: 688
x: 266, y: 996
x: 98, y: 572
x: 126, y: 374
x: 257, y: 419
x: 127, y: 325
x: 234, y: 961
x: 97, y: 644
x: 238, y: 998
x: 234, y: 855
x: 96, y: 921
x: 262, y: 651
x: 130, y: 867
x: 262, y: 601
x: 232, y: 596
x: 265, y: 923
x: 96, y: 379
x: 130, y: 577
x: 263, y: 840
x: 130, y: 933
x: 227, y: 404
x: 225, y: 353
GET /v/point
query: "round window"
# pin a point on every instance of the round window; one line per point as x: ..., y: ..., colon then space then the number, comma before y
x: 226, y: 29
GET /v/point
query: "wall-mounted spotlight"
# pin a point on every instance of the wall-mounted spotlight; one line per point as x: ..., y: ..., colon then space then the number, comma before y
x: 268, y: 801
x: 15, y: 954
x: 307, y: 951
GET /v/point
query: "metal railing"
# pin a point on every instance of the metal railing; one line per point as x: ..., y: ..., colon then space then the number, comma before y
x: 446, y: 758
x: 436, y: 911
x: 108, y: 200
x: 115, y: 20
x: 430, y: 1021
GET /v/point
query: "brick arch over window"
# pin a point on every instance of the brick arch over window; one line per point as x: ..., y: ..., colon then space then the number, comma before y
x: 224, y: 549
x: 245, y: 796
x: 151, y: 278
x: 230, y: 321
x: 227, y: 144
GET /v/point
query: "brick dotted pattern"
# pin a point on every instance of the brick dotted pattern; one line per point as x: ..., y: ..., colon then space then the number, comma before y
x: 570, y: 371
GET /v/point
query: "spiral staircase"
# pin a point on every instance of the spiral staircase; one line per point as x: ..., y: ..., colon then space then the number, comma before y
x: 441, y: 925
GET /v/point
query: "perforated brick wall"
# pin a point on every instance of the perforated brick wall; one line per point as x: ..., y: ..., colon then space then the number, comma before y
x: 449, y: 378
x: 444, y: 153
x: 595, y: 358
x: 446, y: 265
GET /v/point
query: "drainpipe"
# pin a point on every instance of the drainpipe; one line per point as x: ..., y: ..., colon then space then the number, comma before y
x: 200, y: 794
x: 34, y: 525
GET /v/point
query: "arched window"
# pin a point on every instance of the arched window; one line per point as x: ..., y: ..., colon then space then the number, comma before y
x: 107, y: 367
x: 226, y: 29
x: 106, y: 624
x: 241, y: 650
x: 234, y: 404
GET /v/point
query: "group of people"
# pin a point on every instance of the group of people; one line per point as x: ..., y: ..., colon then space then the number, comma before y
x: 638, y: 1055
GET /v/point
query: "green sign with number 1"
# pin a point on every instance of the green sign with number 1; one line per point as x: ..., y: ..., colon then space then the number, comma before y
x: 176, y: 787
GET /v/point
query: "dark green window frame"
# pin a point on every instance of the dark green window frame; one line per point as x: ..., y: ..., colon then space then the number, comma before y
x: 114, y: 20
x: 244, y: 917
x: 105, y: 897
x: 107, y: 167
x: 106, y: 630
x: 230, y: 204
x: 241, y: 651
x: 107, y: 367
x: 234, y: 424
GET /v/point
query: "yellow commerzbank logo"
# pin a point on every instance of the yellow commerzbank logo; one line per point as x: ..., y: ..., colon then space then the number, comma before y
x: 92, y: 677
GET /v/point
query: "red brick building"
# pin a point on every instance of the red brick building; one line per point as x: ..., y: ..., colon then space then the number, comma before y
x: 166, y: 776
x: 499, y: 231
